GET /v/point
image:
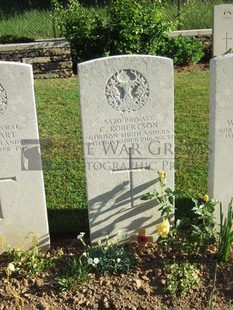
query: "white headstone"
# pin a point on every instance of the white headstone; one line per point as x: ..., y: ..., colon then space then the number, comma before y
x: 222, y: 29
x: 127, y: 109
x: 220, y: 178
x: 23, y: 213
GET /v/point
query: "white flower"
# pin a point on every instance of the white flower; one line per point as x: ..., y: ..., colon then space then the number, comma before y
x: 11, y: 267
x: 81, y: 235
x: 84, y: 254
x: 118, y: 260
x: 90, y: 261
x: 96, y: 260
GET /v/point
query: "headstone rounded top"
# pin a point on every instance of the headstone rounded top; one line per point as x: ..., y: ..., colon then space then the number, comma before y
x: 130, y: 57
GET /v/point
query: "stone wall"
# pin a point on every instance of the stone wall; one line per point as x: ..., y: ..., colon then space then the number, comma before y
x: 49, y: 58
x: 52, y: 58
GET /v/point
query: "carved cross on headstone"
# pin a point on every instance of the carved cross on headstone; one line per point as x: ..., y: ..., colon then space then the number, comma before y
x: 130, y: 170
x: 3, y: 180
x: 226, y: 38
x: 141, y: 238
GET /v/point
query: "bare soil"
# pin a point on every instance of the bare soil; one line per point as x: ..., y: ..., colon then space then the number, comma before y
x: 142, y: 288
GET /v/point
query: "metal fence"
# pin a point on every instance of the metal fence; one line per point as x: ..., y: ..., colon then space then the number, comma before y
x: 33, y: 14
x: 12, y: 7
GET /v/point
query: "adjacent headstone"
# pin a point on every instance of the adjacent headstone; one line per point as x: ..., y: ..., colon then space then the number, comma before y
x: 220, y: 178
x: 127, y: 109
x: 222, y: 29
x: 23, y: 214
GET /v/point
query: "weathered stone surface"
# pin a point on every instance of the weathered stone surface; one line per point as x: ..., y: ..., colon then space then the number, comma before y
x: 128, y: 135
x: 220, y: 177
x: 60, y: 58
x: 50, y: 54
x: 36, y: 60
x: 57, y: 52
x: 222, y: 29
x: 23, y: 213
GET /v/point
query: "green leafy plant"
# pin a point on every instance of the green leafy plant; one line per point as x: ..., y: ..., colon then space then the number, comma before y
x: 165, y: 197
x: 75, y: 274
x: 190, y: 234
x: 10, y: 38
x: 225, y: 233
x: 198, y: 232
x: 181, y: 277
x: 183, y: 50
x: 137, y: 26
x: 112, y: 258
x: 30, y: 263
x: 165, y: 201
x: 83, y: 27
x: 108, y: 257
x: 124, y: 27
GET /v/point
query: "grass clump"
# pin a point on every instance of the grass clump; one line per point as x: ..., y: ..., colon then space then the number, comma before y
x: 76, y: 273
x: 226, y: 233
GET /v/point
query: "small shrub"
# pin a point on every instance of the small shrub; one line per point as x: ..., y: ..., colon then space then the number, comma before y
x: 113, y: 259
x: 83, y: 27
x: 108, y: 257
x: 192, y: 234
x: 181, y: 277
x: 182, y: 50
x: 195, y: 234
x: 125, y: 27
x: 137, y: 27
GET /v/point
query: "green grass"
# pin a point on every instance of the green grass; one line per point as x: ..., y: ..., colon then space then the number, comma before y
x: 194, y: 14
x: 60, y: 131
x: 191, y: 131
x: 59, y: 121
x: 33, y: 24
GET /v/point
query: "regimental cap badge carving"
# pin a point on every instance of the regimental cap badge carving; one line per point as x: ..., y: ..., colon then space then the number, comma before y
x: 3, y: 100
x: 227, y: 14
x: 127, y: 90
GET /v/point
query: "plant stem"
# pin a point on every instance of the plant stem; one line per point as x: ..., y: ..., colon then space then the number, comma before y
x: 213, y: 288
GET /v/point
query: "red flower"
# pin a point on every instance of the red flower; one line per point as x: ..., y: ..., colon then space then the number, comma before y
x: 142, y: 240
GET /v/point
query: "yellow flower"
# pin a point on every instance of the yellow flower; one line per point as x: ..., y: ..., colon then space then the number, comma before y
x: 206, y: 198
x: 163, y: 228
x: 162, y: 174
x: 162, y: 178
